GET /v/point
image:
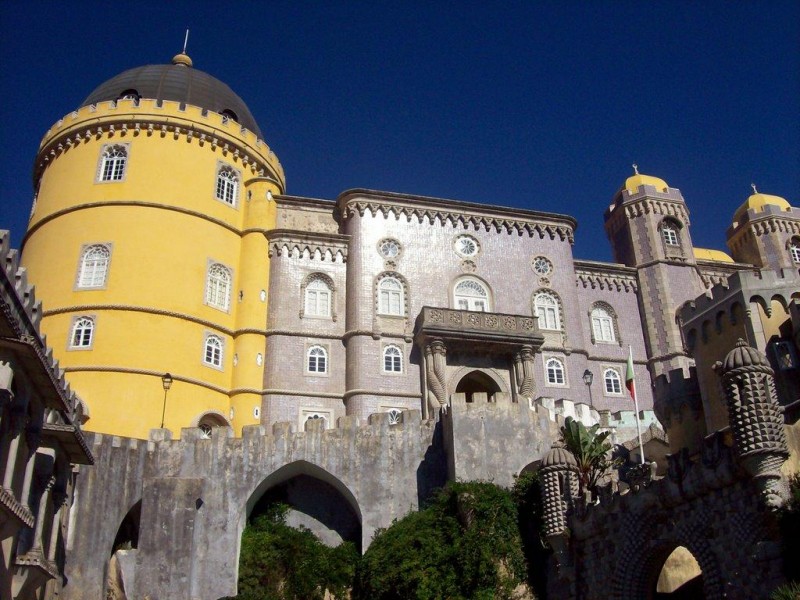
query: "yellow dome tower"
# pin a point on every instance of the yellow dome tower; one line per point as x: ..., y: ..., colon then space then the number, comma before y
x: 146, y: 245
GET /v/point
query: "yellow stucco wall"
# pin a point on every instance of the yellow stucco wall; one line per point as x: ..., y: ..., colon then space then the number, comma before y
x: 164, y: 227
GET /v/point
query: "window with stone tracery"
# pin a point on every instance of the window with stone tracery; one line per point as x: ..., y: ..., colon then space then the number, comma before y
x: 317, y: 360
x: 112, y: 163
x: 82, y: 333
x: 213, y: 350
x: 93, y: 269
x: 546, y: 310
x: 604, y: 323
x: 218, y: 286
x: 391, y: 299
x: 555, y: 372
x: 612, y: 382
x: 471, y: 294
x: 317, y: 299
x: 227, y: 185
x: 392, y: 359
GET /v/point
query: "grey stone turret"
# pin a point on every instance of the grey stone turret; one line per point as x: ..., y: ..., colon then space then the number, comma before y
x: 756, y: 420
x: 559, y: 481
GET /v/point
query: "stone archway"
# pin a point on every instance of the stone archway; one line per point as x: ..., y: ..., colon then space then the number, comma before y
x: 318, y: 501
x: 122, y: 560
x: 680, y: 578
x: 475, y: 382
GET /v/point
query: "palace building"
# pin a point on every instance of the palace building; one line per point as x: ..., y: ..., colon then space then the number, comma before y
x: 184, y: 291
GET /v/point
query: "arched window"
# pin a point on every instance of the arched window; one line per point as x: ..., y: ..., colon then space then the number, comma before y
x: 218, y: 286
x: 214, y: 346
x: 82, y: 333
x: 94, y: 266
x: 670, y: 230
x: 395, y: 416
x: 318, y: 299
x: 670, y: 235
x: 612, y: 381
x: 794, y: 250
x: 545, y: 306
x: 392, y: 359
x: 227, y: 185
x: 112, y: 166
x: 317, y: 359
x: 390, y: 297
x: 603, y: 326
x: 554, y: 369
x: 471, y: 294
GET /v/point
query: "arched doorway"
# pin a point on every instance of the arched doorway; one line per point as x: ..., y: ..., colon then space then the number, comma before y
x: 476, y: 382
x: 123, y: 552
x: 680, y: 577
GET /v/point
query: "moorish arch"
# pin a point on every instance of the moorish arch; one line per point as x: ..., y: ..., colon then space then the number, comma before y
x: 318, y: 500
x: 648, y: 548
x: 469, y: 381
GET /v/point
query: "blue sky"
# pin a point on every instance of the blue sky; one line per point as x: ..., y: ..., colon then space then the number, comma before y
x: 540, y: 105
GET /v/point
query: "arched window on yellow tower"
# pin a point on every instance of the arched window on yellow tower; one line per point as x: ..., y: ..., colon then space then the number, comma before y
x: 112, y: 163
x: 227, y: 185
x: 212, y: 354
x: 218, y: 286
x: 93, y: 269
x: 82, y: 333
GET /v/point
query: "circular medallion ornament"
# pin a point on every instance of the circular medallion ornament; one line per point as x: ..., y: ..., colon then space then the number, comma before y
x: 541, y: 266
x: 389, y: 248
x: 466, y: 245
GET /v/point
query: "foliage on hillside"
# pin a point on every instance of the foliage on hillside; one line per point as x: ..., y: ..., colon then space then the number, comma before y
x: 465, y: 545
x: 278, y: 562
x: 470, y: 542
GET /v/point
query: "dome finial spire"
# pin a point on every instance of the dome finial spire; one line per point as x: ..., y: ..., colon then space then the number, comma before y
x: 635, y: 168
x: 753, y: 185
x: 185, y: 41
x: 182, y: 59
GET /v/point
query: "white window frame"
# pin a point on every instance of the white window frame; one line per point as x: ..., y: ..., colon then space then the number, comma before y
x: 562, y: 370
x: 794, y: 251
x: 219, y: 283
x: 82, y: 332
x: 548, y: 314
x: 603, y: 330
x: 213, y: 350
x: 391, y: 302
x: 93, y: 270
x: 227, y: 184
x: 670, y: 235
x: 318, y: 299
x: 315, y: 353
x: 612, y: 382
x: 394, y: 354
x: 470, y: 298
x: 113, y: 164
x: 395, y: 415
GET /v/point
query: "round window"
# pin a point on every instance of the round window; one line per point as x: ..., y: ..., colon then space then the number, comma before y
x: 542, y: 266
x: 466, y: 245
x: 389, y: 248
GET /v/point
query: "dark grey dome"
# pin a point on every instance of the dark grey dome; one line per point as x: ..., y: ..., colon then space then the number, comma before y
x: 178, y: 82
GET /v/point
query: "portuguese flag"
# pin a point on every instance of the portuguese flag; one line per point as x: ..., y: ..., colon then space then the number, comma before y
x: 629, y: 380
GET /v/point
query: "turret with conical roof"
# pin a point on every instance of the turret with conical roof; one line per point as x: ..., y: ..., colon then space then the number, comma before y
x: 147, y: 245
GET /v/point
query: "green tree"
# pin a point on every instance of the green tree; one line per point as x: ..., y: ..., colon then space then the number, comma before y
x: 591, y: 452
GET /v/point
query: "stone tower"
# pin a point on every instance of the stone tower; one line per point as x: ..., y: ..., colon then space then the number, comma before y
x: 766, y: 232
x: 648, y: 226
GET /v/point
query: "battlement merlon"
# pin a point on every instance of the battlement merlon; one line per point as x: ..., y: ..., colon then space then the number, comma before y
x: 128, y: 118
x: 645, y: 191
x: 790, y: 218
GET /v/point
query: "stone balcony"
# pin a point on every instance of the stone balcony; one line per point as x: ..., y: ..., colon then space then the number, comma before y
x: 494, y: 332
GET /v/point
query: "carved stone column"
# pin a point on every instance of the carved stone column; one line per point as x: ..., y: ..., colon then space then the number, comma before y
x: 756, y: 420
x: 523, y: 368
x: 59, y: 501
x: 435, y: 362
x: 42, y: 514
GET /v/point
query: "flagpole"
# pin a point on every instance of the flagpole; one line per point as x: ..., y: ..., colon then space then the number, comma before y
x: 636, y: 407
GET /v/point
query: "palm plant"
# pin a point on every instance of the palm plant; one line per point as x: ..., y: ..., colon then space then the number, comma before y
x: 591, y: 452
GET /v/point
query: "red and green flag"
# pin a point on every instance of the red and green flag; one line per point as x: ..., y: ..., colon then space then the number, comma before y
x: 629, y: 378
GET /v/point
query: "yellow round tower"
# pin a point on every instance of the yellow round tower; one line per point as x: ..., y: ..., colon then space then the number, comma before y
x: 146, y: 245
